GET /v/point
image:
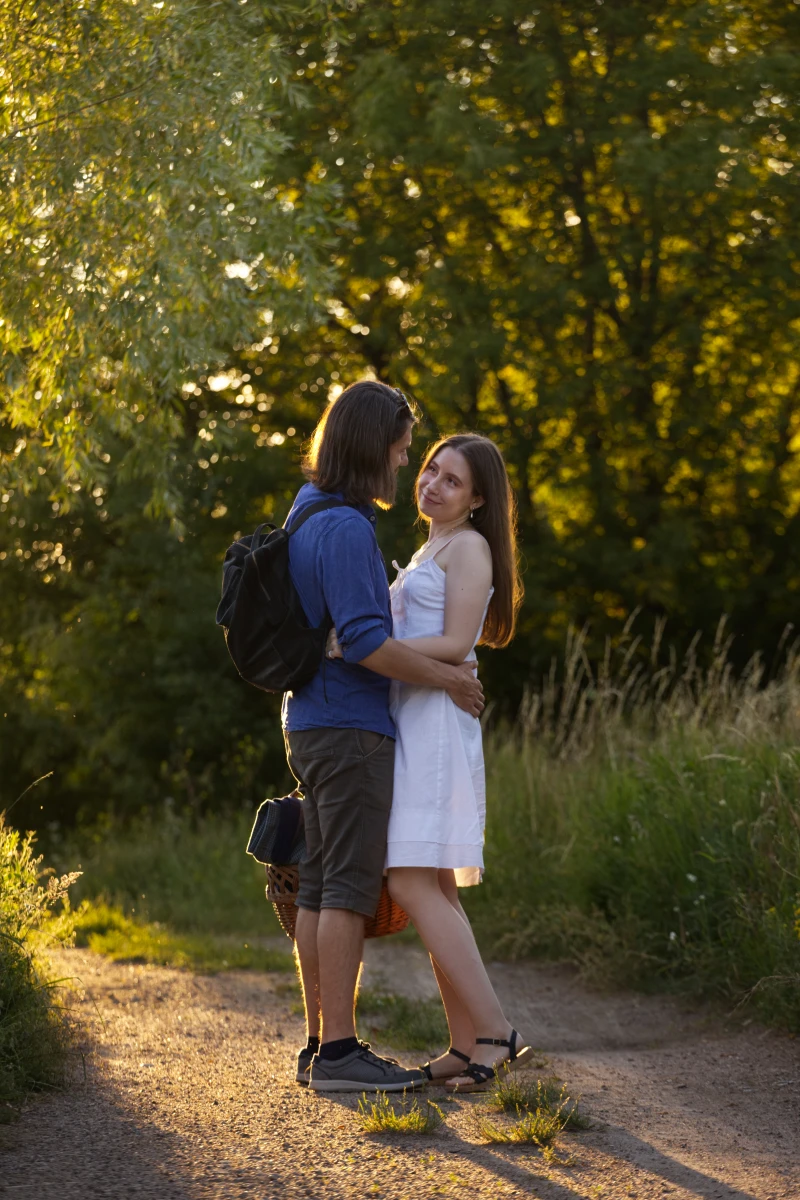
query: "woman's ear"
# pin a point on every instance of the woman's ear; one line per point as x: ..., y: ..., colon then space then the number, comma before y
x: 476, y: 502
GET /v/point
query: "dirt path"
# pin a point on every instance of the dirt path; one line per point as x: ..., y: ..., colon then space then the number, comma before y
x: 188, y: 1096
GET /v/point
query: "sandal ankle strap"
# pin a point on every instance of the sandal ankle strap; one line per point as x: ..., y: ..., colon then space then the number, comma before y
x: 457, y: 1054
x: 510, y: 1042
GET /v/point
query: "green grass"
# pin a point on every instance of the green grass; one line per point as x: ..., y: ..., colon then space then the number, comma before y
x: 189, y: 873
x: 402, y: 1023
x: 646, y: 827
x: 382, y: 1116
x: 35, y: 1038
x: 108, y: 931
x: 643, y: 824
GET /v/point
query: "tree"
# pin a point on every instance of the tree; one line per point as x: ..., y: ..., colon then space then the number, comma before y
x: 574, y: 228
x: 571, y: 227
x: 143, y: 235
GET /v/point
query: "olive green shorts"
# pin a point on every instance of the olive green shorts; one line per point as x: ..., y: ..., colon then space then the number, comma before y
x: 347, y: 776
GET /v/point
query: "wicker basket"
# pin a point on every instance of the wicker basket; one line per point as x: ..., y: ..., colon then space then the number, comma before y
x: 282, y: 892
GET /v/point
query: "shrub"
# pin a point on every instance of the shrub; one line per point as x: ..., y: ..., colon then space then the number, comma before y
x: 34, y: 1036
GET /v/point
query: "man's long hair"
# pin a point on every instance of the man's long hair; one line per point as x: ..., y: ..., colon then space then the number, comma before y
x: 349, y: 449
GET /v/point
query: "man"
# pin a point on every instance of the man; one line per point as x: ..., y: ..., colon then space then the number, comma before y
x: 339, y: 734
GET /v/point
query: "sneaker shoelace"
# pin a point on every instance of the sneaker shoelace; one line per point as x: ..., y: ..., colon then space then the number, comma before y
x: 374, y: 1059
x: 383, y: 1058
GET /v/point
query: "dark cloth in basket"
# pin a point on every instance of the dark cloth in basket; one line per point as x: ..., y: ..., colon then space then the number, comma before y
x: 278, y: 834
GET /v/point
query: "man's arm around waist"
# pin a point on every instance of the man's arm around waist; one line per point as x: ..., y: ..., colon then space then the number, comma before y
x: 396, y: 661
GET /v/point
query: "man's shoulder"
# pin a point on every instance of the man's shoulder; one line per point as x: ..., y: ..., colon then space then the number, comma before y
x: 339, y: 517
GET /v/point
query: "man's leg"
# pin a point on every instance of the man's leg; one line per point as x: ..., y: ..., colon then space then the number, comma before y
x: 308, y: 960
x: 310, y: 884
x: 340, y: 944
x: 349, y: 773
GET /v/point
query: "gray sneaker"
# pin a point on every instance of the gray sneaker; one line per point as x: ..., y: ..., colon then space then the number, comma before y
x: 303, y: 1066
x: 362, y: 1071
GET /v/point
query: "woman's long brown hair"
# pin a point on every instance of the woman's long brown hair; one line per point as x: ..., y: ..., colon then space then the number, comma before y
x: 496, y: 519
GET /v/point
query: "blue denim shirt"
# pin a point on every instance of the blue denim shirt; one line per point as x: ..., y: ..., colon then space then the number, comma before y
x: 337, y: 568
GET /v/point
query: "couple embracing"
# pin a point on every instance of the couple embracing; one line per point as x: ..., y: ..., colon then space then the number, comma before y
x: 385, y: 739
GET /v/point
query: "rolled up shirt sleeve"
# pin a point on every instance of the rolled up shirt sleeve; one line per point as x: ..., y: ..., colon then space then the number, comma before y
x: 347, y: 569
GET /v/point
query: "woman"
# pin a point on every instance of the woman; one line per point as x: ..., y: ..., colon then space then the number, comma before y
x: 462, y: 587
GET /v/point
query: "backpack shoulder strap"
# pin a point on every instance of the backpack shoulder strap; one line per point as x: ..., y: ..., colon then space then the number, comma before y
x: 313, y: 509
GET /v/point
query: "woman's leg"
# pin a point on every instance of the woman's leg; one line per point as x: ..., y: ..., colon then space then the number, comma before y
x: 462, y: 1031
x: 449, y: 940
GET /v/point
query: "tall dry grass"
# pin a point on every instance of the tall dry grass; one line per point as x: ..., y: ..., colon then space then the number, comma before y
x: 644, y: 822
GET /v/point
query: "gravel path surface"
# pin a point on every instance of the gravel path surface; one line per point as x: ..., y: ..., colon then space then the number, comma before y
x: 188, y: 1096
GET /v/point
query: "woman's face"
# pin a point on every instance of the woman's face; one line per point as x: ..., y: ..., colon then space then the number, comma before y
x: 445, y: 491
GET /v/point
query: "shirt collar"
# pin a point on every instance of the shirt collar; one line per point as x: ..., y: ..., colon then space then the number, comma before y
x: 366, y: 510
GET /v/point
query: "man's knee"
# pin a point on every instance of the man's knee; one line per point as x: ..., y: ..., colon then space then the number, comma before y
x: 306, y: 923
x: 340, y: 920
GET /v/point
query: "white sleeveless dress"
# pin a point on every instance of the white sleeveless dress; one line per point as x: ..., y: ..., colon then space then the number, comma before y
x: 439, y: 806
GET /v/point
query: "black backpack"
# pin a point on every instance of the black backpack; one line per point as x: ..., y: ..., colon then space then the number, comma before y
x: 266, y: 631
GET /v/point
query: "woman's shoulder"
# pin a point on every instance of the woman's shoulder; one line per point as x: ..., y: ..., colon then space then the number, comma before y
x: 469, y: 547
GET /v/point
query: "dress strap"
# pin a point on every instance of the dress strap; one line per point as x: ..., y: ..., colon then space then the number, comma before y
x: 446, y: 542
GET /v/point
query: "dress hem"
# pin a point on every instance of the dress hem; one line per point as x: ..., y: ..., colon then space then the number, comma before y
x: 433, y: 854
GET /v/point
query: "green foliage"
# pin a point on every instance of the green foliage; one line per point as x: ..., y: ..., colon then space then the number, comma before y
x: 659, y: 848
x: 381, y: 1116
x: 144, y: 236
x: 112, y: 672
x: 107, y: 931
x: 190, y: 875
x: 34, y: 1037
x: 574, y: 230
x: 402, y: 1023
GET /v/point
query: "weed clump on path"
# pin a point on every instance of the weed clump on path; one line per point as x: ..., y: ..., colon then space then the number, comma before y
x: 542, y: 1108
x: 547, y: 1096
x: 381, y: 1115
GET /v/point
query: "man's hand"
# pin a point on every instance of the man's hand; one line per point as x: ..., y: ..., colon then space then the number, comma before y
x: 332, y: 648
x: 466, y: 692
x: 396, y: 661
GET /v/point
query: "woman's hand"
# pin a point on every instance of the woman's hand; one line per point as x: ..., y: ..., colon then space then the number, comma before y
x: 332, y: 648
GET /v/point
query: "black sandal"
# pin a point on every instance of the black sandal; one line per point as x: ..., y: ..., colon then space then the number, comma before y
x: 426, y: 1067
x: 481, y: 1076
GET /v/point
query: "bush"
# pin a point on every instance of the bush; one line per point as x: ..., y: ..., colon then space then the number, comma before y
x: 34, y: 1037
